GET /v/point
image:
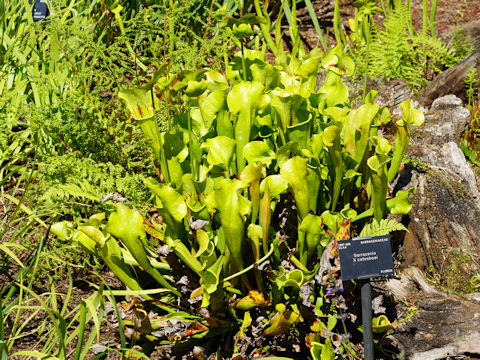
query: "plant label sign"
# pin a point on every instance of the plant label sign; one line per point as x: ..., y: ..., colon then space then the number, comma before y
x: 40, y: 9
x: 365, y: 257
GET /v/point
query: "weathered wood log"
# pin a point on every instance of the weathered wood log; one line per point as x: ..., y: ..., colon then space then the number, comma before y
x: 451, y: 81
x: 441, y: 325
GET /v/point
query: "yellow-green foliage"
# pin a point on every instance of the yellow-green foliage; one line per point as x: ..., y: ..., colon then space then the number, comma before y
x: 396, y: 51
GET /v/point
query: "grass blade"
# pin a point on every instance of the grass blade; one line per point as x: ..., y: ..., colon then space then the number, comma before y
x: 25, y: 208
x: 11, y: 254
x: 92, y: 303
x: 81, y: 326
x: 316, y: 24
x: 59, y: 322
x: 3, y: 344
x: 35, y: 354
x: 121, y: 330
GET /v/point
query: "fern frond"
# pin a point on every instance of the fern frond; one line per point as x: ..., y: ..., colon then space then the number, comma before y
x: 385, y: 226
x: 436, y: 50
x: 89, y: 182
x: 83, y: 191
x: 396, y: 52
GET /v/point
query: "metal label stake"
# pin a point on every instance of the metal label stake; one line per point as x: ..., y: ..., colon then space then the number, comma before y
x: 366, y: 291
x: 364, y: 258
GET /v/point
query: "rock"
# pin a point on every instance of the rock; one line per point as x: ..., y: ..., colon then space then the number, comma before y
x: 468, y: 344
x: 444, y: 122
x: 451, y: 81
x: 435, y: 142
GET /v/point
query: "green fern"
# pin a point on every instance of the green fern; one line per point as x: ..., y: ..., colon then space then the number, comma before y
x: 65, y: 192
x: 397, y: 52
x: 67, y: 179
x: 471, y: 83
x: 392, y: 53
x: 385, y: 226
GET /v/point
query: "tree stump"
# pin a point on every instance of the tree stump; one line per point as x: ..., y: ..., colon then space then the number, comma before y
x: 444, y: 223
x: 443, y: 239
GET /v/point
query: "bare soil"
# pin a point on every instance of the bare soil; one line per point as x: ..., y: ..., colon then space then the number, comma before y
x: 449, y: 15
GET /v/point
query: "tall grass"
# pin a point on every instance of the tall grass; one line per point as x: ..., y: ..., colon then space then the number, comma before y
x: 37, y: 320
x: 55, y: 119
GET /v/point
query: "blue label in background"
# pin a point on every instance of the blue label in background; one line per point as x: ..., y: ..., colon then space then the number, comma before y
x: 365, y: 257
x: 40, y: 10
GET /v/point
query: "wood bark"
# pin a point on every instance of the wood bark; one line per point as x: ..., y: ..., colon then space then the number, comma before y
x: 451, y: 81
x: 432, y: 324
x: 443, y: 241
